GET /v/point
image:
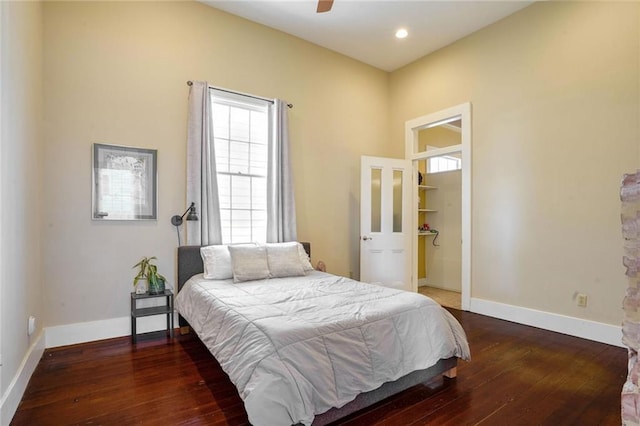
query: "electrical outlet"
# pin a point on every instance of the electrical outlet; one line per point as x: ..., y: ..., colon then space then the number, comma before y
x: 582, y: 300
x: 31, y: 326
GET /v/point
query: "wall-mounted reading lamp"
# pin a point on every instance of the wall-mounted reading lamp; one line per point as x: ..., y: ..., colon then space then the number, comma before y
x: 177, y: 220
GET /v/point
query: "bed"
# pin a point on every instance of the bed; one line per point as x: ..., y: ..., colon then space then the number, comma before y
x: 312, y: 349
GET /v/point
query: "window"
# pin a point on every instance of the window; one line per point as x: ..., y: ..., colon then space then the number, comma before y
x: 444, y: 163
x: 242, y: 133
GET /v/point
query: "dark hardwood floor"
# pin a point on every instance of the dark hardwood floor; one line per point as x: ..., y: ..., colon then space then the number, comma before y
x: 518, y: 375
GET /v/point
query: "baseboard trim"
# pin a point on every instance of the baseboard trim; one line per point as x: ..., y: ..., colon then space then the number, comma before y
x: 13, y: 395
x: 577, y: 327
x: 71, y: 334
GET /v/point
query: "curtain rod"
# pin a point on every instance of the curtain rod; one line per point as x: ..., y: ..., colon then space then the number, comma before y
x: 190, y: 83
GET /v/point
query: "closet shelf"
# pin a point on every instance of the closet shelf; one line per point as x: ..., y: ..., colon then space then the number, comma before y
x: 427, y: 187
x: 428, y: 234
x: 427, y: 210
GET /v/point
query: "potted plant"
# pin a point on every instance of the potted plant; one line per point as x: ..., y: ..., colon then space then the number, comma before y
x: 148, y: 271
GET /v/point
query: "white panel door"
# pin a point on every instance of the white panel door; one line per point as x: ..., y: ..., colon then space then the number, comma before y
x: 385, y: 221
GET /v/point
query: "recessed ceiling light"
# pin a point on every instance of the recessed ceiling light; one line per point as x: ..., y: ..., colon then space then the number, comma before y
x: 401, y: 33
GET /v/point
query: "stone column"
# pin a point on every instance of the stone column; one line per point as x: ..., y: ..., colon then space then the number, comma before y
x: 630, y: 197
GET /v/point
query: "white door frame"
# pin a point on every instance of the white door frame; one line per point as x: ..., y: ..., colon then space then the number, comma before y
x: 412, y: 127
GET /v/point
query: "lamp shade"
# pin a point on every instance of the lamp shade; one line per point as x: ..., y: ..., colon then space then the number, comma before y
x: 192, y: 212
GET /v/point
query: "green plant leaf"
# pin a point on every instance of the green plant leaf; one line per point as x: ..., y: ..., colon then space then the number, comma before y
x: 147, y: 270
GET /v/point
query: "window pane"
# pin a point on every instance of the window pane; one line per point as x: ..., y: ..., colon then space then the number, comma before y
x: 397, y: 200
x: 220, y: 121
x: 241, y: 226
x: 376, y: 200
x: 239, y: 124
x: 259, y: 127
x: 444, y: 163
x: 258, y: 160
x: 259, y: 226
x: 241, y: 192
x: 225, y: 223
x: 222, y: 154
x: 259, y: 193
x: 224, y: 191
x: 238, y: 157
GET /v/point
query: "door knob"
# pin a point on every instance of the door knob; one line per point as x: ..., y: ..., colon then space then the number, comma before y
x: 366, y: 238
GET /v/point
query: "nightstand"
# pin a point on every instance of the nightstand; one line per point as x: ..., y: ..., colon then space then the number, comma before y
x: 166, y: 309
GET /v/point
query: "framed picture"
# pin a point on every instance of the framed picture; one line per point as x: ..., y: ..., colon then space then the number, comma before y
x: 125, y: 183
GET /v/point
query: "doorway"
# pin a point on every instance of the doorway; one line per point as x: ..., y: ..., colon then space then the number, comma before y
x: 439, y: 215
x: 439, y: 147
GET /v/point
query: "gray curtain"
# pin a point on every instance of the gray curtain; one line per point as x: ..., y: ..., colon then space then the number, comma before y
x: 281, y: 206
x: 202, y: 182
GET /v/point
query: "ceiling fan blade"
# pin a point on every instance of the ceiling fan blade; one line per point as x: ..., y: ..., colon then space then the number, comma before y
x: 324, y: 5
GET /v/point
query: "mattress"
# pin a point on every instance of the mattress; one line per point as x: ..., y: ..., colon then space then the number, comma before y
x: 295, y: 347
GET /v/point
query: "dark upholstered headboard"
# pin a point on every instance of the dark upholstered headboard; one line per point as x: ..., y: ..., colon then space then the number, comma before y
x: 190, y: 262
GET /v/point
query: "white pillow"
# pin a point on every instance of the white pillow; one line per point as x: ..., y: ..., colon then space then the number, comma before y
x: 284, y: 260
x: 304, y: 258
x: 217, y: 262
x: 249, y: 263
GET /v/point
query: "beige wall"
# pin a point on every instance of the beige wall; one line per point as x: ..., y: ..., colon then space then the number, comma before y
x: 116, y: 72
x: 554, y: 93
x: 21, y: 281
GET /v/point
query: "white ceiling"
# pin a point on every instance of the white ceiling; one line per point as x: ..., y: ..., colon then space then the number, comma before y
x: 364, y: 29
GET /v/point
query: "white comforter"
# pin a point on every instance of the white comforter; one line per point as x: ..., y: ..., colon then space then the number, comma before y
x: 295, y: 347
